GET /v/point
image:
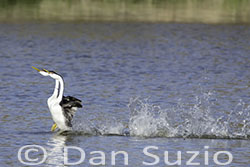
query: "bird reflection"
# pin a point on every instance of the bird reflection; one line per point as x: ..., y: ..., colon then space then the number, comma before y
x: 54, y: 149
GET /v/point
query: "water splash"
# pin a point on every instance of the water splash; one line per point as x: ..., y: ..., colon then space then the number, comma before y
x: 197, y: 121
x: 105, y: 126
x: 147, y: 120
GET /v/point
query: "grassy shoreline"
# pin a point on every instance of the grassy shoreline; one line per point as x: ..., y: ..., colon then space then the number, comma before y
x: 184, y: 11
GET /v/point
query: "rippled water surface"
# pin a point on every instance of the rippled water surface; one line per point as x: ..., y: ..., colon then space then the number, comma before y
x: 179, y: 87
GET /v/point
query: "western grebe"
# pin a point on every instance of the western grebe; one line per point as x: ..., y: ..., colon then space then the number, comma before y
x: 62, y: 108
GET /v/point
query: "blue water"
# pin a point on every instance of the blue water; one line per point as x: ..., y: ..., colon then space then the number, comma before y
x: 179, y: 87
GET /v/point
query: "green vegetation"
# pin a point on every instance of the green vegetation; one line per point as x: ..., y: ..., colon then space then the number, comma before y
x: 206, y: 11
x: 13, y: 3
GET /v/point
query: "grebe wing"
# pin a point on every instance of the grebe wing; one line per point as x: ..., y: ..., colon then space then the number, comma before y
x: 69, y: 105
x: 69, y: 102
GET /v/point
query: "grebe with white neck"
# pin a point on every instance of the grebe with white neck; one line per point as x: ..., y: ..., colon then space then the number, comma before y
x: 62, y: 108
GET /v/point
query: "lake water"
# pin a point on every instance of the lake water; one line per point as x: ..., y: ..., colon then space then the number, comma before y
x: 178, y: 87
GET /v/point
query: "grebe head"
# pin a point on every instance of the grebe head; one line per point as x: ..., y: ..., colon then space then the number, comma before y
x: 46, y: 73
